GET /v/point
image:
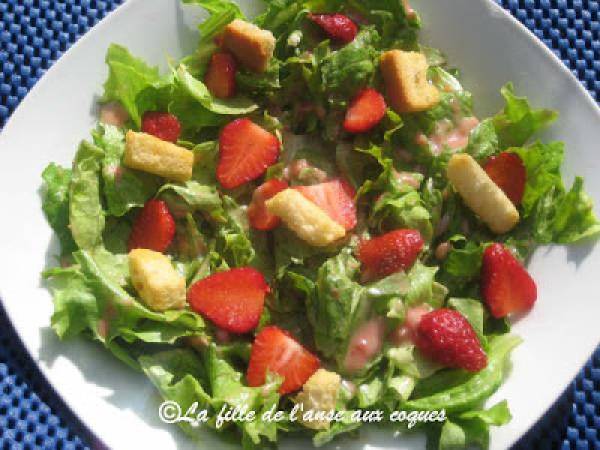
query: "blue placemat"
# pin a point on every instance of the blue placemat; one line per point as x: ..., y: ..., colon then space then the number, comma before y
x: 35, y: 33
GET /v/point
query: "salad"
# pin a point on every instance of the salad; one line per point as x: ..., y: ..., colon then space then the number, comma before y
x: 306, y: 214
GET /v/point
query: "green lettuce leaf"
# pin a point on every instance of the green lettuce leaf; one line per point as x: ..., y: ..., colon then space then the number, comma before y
x: 233, y: 241
x: 128, y: 78
x: 86, y: 215
x: 75, y: 305
x: 476, y: 388
x: 345, y: 71
x: 483, y: 141
x: 199, y: 92
x: 221, y: 12
x: 55, y: 204
x: 337, y: 307
x: 123, y: 188
x: 551, y: 212
x: 196, y: 197
x: 473, y: 311
x: 518, y: 122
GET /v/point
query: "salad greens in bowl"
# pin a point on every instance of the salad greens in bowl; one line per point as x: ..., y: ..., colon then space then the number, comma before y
x: 306, y: 215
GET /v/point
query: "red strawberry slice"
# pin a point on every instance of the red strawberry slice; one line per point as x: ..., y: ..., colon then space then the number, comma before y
x: 275, y: 350
x: 365, y: 111
x: 153, y: 228
x: 447, y: 337
x: 509, y: 173
x: 163, y: 125
x: 259, y: 217
x: 245, y: 152
x: 505, y: 284
x: 233, y: 300
x: 336, y: 198
x: 394, y: 251
x: 220, y: 75
x: 336, y: 26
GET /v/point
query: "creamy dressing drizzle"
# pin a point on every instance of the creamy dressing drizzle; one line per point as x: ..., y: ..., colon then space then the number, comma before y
x: 405, y: 333
x: 365, y: 344
x: 448, y: 134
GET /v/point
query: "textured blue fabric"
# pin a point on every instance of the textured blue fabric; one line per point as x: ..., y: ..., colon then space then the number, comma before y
x: 35, y: 33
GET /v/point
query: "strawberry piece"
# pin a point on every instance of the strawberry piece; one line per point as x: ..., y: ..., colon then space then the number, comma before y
x: 365, y: 111
x: 164, y: 126
x: 394, y: 251
x: 505, y: 284
x: 220, y: 75
x: 448, y: 338
x: 509, y: 173
x: 154, y: 227
x: 259, y: 217
x: 233, y: 300
x: 275, y: 350
x: 336, y: 26
x: 245, y: 152
x: 336, y: 198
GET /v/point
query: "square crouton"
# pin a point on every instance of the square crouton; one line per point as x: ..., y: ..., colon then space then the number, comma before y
x: 153, y: 155
x: 407, y: 87
x: 159, y: 285
x: 252, y: 46
x: 319, y: 395
x: 305, y: 218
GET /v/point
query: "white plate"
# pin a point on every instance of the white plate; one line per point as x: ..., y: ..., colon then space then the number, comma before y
x: 117, y: 404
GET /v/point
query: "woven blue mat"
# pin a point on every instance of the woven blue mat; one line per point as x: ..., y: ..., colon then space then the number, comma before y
x: 35, y: 33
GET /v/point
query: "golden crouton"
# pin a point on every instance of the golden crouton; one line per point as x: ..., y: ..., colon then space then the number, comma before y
x: 159, y: 285
x: 406, y: 84
x: 319, y: 394
x: 252, y: 46
x: 153, y: 155
x: 304, y: 218
x: 481, y: 194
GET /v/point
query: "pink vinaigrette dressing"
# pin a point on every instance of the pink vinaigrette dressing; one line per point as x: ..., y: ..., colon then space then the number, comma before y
x: 367, y: 341
x: 455, y: 136
x: 365, y: 344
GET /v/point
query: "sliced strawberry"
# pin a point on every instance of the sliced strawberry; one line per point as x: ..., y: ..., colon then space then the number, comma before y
x: 509, y: 173
x: 163, y: 125
x: 447, y: 337
x: 153, y: 228
x: 505, y: 284
x: 336, y: 26
x: 220, y: 75
x: 233, y: 300
x: 259, y: 217
x: 275, y: 350
x: 245, y: 152
x: 365, y: 111
x: 336, y: 198
x: 394, y: 251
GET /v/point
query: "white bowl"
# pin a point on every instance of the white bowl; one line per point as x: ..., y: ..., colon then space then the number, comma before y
x: 120, y: 406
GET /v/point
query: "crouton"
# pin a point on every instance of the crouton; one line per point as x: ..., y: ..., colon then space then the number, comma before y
x: 153, y: 155
x: 304, y: 218
x: 481, y: 194
x: 406, y: 84
x: 252, y: 46
x: 319, y: 394
x: 156, y: 281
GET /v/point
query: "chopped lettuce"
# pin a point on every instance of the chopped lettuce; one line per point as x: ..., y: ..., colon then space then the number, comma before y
x: 131, y: 82
x: 123, y: 188
x: 86, y: 214
x: 518, y: 122
x: 55, y: 203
